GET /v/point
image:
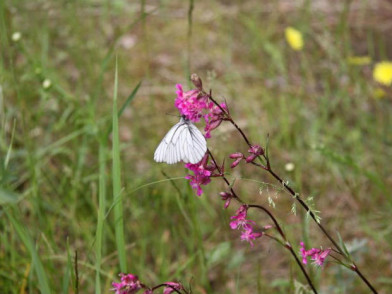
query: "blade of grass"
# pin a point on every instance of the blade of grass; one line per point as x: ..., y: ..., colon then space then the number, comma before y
x: 129, y: 99
x: 9, y: 151
x: 101, y: 215
x: 70, y: 267
x: 36, y: 261
x: 116, y: 174
x: 68, y: 271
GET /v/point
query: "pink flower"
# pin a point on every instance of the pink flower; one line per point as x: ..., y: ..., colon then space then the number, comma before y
x: 240, y: 220
x: 320, y: 257
x: 195, y: 104
x: 316, y: 254
x: 246, y: 225
x: 191, y: 103
x: 171, y: 287
x: 129, y: 284
x: 248, y: 235
x: 202, y: 174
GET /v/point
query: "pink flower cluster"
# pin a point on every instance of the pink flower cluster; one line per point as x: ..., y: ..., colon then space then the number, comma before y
x: 129, y: 284
x: 201, y: 174
x: 194, y: 104
x: 316, y: 254
x: 191, y: 103
x: 254, y: 150
x: 240, y: 222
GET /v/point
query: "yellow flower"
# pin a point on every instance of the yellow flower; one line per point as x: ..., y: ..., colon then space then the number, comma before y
x: 294, y: 38
x: 382, y: 73
x: 359, y: 60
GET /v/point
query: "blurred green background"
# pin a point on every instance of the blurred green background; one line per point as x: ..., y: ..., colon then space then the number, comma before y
x: 320, y: 105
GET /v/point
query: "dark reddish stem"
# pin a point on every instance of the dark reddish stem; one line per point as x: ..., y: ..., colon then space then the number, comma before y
x: 222, y: 175
x: 290, y: 190
x: 287, y: 244
x: 355, y: 269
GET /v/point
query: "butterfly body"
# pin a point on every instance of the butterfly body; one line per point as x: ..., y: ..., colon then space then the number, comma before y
x: 184, y: 142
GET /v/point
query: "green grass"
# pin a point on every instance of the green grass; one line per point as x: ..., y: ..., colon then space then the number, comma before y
x: 76, y: 159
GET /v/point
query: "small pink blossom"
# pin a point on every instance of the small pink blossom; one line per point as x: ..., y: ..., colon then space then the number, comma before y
x: 202, y: 174
x: 316, y: 254
x: 171, y: 287
x: 248, y: 235
x: 320, y: 257
x: 240, y: 220
x: 129, y: 284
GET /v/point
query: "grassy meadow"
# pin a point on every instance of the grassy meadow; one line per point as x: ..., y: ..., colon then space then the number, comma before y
x: 85, y: 92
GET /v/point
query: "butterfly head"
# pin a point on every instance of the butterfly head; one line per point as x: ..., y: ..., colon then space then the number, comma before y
x: 184, y: 118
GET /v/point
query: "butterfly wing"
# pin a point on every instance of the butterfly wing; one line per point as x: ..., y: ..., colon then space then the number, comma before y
x: 166, y: 151
x: 195, y: 145
x: 183, y: 142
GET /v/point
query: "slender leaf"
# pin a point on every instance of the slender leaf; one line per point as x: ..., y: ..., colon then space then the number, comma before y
x: 129, y: 99
x: 101, y: 216
x: 116, y: 174
x: 36, y: 261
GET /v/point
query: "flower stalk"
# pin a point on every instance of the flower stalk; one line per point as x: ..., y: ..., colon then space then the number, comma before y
x: 266, y: 165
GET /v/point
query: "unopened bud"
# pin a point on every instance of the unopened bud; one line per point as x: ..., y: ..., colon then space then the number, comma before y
x: 236, y: 155
x: 196, y: 80
x: 225, y: 195
x: 251, y: 157
x: 236, y: 162
x: 256, y: 149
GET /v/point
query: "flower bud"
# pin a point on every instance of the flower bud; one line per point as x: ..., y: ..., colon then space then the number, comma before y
x: 236, y: 155
x: 236, y: 162
x: 256, y: 149
x: 225, y: 195
x: 251, y: 157
x: 197, y: 81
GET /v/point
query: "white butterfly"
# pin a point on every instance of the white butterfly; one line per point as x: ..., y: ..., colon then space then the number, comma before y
x: 183, y: 142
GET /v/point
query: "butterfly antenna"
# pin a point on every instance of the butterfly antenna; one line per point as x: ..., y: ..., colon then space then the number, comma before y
x: 176, y: 115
